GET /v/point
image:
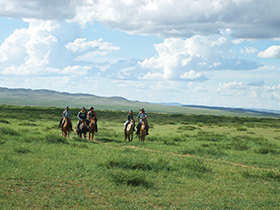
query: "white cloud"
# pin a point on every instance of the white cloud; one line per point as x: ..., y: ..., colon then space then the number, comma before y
x: 81, y: 45
x: 90, y: 49
x: 271, y: 52
x: 176, y: 56
x: 39, y: 9
x: 192, y: 75
x: 245, y: 18
x: 27, y: 50
x: 231, y: 85
x: 170, y: 19
x: 76, y: 70
x: 152, y: 76
x: 248, y: 50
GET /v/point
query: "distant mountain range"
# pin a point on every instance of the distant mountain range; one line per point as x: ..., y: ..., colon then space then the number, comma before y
x: 29, y: 97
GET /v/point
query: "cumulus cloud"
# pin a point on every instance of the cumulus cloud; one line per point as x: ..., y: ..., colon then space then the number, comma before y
x: 271, y: 52
x: 27, y: 50
x: 170, y: 19
x: 39, y: 9
x: 176, y: 56
x: 158, y: 17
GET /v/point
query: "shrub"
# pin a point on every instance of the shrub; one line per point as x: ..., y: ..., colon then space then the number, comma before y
x: 186, y: 151
x: 170, y: 142
x: 210, y: 136
x: 239, y: 144
x: 138, y: 164
x: 266, y: 175
x: 81, y: 145
x: 130, y: 177
x: 22, y: 150
x: 53, y: 138
x: 27, y: 124
x: 8, y: 131
x: 266, y: 150
x: 187, y: 127
x: 256, y: 140
x: 198, y: 165
x: 241, y: 129
x: 212, y: 151
x: 4, y: 121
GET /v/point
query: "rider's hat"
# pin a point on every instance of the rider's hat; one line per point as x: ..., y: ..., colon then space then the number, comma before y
x: 130, y: 110
x: 142, y: 109
x: 91, y: 107
x: 83, y: 107
x: 66, y: 107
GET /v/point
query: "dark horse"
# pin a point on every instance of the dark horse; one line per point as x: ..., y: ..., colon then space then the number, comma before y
x: 83, y: 129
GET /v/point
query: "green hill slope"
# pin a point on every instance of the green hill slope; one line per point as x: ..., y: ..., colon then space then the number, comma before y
x: 49, y: 98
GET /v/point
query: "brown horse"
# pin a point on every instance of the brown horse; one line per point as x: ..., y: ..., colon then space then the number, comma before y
x: 128, y: 133
x: 143, y: 131
x: 92, y: 128
x: 66, y: 128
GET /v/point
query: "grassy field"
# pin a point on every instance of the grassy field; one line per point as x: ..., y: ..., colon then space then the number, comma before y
x: 187, y: 162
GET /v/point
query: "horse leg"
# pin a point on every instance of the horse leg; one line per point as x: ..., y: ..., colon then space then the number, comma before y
x: 125, y: 135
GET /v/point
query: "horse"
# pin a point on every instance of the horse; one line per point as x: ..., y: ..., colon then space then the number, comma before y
x: 92, y: 128
x: 66, y: 128
x: 143, y: 131
x: 128, y: 133
x: 83, y: 129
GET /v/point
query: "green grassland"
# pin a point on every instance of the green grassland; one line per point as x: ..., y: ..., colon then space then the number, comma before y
x: 188, y: 161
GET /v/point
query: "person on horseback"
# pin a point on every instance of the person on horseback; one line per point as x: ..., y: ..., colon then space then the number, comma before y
x: 129, y: 118
x: 92, y: 114
x: 142, y: 116
x: 66, y: 114
x: 82, y: 115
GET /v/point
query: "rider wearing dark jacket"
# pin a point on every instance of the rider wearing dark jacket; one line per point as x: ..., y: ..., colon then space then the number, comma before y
x: 82, y: 115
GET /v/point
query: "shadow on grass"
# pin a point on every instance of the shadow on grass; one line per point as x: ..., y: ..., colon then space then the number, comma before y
x: 105, y: 140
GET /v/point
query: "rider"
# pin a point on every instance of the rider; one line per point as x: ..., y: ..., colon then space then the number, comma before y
x: 92, y: 114
x: 82, y: 115
x: 142, y: 116
x: 129, y: 118
x: 66, y: 114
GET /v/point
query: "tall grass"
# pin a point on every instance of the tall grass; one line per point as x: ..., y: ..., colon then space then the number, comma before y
x: 187, y: 162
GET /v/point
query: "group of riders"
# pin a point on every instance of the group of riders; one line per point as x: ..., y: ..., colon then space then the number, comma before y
x: 83, y: 115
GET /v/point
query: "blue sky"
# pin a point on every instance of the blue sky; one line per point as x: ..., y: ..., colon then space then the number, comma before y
x: 195, y: 52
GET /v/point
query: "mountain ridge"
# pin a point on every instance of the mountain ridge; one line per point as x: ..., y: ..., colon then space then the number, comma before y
x: 45, y: 97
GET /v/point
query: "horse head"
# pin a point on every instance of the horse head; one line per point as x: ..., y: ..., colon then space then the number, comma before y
x: 132, y: 122
x: 92, y: 122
